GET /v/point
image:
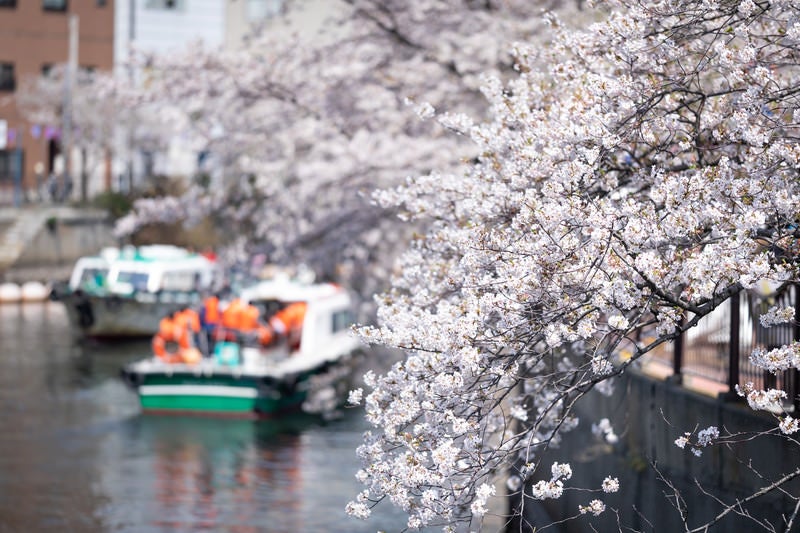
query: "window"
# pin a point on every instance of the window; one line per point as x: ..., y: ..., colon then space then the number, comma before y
x: 93, y: 278
x: 165, y: 4
x: 54, y: 5
x: 47, y: 68
x: 136, y: 280
x: 11, y: 164
x: 7, y: 80
x: 342, y: 320
x: 8, y: 3
x: 258, y: 10
x: 5, y: 166
x: 85, y: 75
x: 101, y: 3
x: 178, y: 281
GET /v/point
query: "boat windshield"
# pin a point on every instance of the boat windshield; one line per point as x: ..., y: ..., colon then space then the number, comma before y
x: 93, y: 278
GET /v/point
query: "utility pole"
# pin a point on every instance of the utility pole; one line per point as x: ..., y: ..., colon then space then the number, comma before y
x: 69, y: 85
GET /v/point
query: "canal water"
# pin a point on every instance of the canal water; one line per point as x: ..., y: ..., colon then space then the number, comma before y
x: 77, y: 455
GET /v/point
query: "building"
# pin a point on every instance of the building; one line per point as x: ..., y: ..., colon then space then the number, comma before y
x: 34, y: 36
x: 163, y: 26
x: 242, y: 15
x: 168, y: 26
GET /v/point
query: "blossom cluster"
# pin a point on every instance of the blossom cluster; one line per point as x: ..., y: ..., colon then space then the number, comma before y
x: 705, y: 437
x: 595, y: 507
x: 603, y: 430
x: 777, y: 315
x: 762, y: 400
x: 610, y: 484
x: 777, y: 359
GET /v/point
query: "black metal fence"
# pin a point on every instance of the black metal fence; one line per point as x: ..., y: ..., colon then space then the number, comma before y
x: 718, y: 348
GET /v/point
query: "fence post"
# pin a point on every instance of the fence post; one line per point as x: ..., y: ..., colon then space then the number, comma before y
x: 733, y: 346
x: 795, y: 388
x: 677, y: 354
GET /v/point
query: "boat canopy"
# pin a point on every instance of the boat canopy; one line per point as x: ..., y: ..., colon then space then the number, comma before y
x: 328, y: 316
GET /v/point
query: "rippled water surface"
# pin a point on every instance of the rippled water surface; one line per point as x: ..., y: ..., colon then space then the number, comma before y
x: 77, y: 455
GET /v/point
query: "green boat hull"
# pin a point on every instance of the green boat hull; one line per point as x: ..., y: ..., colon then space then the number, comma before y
x: 199, y: 404
x: 219, y: 395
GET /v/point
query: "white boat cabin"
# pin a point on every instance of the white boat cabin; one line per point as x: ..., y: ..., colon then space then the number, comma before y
x: 146, y: 269
x: 328, y: 317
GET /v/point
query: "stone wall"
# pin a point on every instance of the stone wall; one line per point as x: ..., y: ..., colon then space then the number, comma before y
x: 50, y: 255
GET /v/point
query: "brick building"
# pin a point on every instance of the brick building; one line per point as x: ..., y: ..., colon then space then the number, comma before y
x: 34, y: 36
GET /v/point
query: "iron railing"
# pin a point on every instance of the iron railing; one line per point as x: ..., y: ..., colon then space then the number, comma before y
x: 718, y: 348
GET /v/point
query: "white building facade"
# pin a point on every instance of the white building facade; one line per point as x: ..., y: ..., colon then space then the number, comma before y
x: 163, y: 27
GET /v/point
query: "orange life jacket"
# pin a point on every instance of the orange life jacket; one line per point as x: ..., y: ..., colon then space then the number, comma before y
x: 289, y: 322
x: 189, y: 319
x: 172, y: 329
x: 248, y: 317
x: 211, y: 306
x: 290, y: 317
x: 231, y: 314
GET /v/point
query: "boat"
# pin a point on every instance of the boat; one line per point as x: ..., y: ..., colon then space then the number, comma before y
x: 239, y: 379
x: 124, y: 292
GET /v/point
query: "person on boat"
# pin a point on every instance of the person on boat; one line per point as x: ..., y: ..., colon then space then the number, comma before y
x: 210, y: 318
x: 178, y: 329
x: 230, y: 320
x: 285, y: 324
x: 241, y: 321
x: 249, y: 317
x: 189, y: 320
x: 230, y: 314
x: 166, y: 333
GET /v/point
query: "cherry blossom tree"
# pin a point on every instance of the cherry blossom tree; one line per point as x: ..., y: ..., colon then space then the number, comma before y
x: 302, y: 128
x: 632, y: 178
x: 99, y: 115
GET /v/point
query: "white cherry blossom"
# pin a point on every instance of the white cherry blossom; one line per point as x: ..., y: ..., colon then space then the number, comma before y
x: 630, y: 179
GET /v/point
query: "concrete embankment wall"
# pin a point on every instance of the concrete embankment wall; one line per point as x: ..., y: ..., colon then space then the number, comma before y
x: 61, y: 240
x: 647, y: 416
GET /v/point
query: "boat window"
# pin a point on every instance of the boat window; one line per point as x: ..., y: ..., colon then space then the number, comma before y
x: 180, y: 280
x: 137, y: 280
x: 93, y: 278
x: 342, y: 320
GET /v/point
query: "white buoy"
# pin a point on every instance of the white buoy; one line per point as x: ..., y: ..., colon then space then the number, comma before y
x: 10, y: 293
x: 34, y: 291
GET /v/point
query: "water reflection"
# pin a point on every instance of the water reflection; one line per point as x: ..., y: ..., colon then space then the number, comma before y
x: 207, y: 473
x: 77, y: 455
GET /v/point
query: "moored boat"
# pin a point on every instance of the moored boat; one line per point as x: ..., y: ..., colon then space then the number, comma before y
x: 239, y: 378
x: 124, y: 293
